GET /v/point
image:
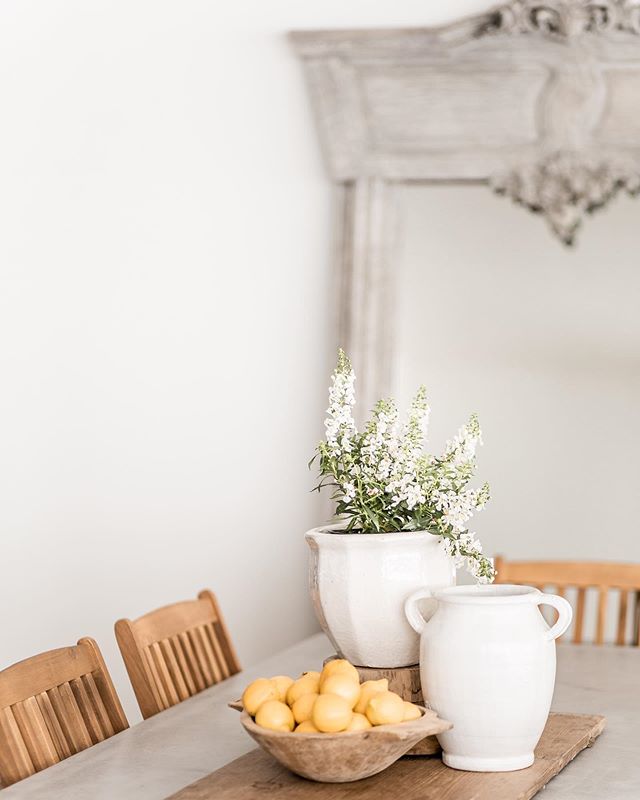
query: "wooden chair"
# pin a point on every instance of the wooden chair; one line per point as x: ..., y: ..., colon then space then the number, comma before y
x: 52, y: 706
x: 602, y: 576
x: 176, y: 651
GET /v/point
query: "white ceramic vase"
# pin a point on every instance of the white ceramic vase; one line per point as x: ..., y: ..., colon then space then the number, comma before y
x: 359, y: 582
x: 488, y: 664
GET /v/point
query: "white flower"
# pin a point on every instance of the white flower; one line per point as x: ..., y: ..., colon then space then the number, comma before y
x: 349, y: 490
x: 417, y: 424
x: 457, y: 507
x: 414, y: 496
x: 462, y: 448
x: 339, y: 424
x: 387, y: 482
x: 466, y: 550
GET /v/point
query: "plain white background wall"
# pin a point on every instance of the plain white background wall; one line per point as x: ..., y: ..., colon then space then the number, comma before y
x: 165, y: 312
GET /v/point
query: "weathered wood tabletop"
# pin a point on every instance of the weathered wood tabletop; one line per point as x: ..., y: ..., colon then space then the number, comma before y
x: 158, y: 757
x: 255, y: 775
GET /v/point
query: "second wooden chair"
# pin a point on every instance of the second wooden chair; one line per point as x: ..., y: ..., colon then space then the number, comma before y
x: 176, y: 651
x: 584, y: 575
x: 54, y: 705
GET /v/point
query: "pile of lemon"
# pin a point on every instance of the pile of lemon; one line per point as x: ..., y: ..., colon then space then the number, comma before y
x: 330, y: 701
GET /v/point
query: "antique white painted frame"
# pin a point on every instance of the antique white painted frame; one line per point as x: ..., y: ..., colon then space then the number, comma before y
x: 538, y: 100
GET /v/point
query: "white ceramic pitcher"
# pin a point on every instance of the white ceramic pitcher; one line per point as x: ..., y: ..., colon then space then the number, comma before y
x: 488, y: 665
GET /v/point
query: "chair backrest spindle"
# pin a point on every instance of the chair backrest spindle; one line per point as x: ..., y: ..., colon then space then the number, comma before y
x: 176, y: 651
x: 582, y: 576
x: 52, y: 706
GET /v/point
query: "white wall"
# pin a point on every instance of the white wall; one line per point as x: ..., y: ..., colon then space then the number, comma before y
x: 496, y: 316
x: 165, y: 325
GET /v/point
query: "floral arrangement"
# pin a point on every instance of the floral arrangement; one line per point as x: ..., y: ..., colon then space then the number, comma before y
x: 384, y: 481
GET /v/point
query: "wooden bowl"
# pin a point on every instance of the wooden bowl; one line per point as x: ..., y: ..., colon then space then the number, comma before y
x: 341, y: 757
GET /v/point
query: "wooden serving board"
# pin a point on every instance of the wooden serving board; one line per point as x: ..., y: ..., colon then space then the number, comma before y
x: 256, y: 775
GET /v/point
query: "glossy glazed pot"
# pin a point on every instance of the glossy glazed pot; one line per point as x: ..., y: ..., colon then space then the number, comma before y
x: 488, y: 664
x: 359, y: 582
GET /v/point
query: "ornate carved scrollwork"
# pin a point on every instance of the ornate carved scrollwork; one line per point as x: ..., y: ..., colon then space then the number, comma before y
x: 566, y: 186
x: 569, y: 177
x: 539, y: 98
x: 564, y: 18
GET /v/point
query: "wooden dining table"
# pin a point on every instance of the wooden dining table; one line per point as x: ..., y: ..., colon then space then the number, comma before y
x: 167, y: 752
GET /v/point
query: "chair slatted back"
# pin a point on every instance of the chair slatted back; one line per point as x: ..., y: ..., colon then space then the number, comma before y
x: 52, y: 706
x: 581, y: 576
x: 176, y: 651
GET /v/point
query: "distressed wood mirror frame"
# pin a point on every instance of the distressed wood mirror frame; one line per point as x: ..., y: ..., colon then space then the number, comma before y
x: 540, y: 101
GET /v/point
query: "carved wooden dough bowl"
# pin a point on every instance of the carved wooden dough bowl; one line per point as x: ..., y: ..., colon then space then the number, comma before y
x: 341, y: 757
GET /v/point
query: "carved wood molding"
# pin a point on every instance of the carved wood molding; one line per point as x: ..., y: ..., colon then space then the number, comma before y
x: 564, y: 18
x: 565, y: 186
x: 537, y: 100
x: 367, y: 286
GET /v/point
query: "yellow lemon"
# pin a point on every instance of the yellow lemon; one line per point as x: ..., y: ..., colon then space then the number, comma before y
x: 305, y: 685
x: 367, y: 690
x: 258, y: 693
x: 313, y: 677
x: 303, y: 706
x: 331, y: 713
x: 340, y: 665
x: 343, y: 685
x: 358, y: 723
x: 306, y: 727
x: 411, y: 712
x: 385, y: 708
x: 275, y: 715
x: 282, y: 684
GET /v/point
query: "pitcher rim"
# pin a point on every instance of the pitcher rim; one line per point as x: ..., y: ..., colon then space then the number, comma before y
x: 494, y: 594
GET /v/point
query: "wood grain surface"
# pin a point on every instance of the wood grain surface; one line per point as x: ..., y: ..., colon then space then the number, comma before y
x: 256, y: 775
x: 345, y: 757
x: 52, y: 706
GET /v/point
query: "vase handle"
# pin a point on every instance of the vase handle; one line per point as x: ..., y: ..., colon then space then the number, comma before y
x: 412, y: 613
x: 565, y: 613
